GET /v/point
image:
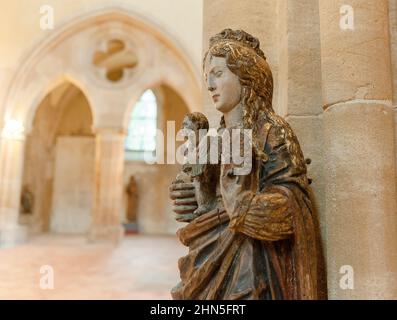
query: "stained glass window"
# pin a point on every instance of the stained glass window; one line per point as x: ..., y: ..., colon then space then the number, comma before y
x: 143, y: 124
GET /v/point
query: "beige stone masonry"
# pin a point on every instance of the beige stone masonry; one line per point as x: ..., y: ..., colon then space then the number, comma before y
x: 108, y: 194
x: 360, y: 206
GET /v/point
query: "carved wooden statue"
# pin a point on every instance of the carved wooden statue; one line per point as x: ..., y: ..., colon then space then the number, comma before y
x: 258, y: 242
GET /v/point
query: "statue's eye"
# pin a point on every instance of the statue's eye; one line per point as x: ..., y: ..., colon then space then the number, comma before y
x: 219, y: 73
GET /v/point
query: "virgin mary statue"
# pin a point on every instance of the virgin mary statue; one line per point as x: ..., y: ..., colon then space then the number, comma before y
x: 259, y: 242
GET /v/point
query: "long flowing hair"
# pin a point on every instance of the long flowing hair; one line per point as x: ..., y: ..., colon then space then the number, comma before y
x: 246, y: 60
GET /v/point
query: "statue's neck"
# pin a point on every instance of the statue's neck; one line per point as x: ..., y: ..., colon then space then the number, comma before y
x: 234, y: 117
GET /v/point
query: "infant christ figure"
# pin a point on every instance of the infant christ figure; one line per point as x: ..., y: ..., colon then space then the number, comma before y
x: 197, y: 168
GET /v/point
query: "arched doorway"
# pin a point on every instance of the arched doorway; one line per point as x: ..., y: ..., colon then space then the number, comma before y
x: 57, y: 186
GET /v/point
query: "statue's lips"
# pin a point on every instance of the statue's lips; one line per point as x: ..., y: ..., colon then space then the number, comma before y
x: 215, y: 97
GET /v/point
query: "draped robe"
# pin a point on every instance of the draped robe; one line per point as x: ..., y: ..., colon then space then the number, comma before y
x: 259, y: 243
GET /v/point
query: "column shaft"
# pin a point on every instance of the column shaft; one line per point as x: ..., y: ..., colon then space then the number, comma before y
x: 109, y: 167
x: 11, y: 167
x: 361, y: 214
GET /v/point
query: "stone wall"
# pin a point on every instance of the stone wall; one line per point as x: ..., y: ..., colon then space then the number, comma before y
x: 155, y: 214
x: 71, y: 208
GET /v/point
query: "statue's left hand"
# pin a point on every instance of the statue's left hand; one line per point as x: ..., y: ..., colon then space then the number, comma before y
x: 184, y: 200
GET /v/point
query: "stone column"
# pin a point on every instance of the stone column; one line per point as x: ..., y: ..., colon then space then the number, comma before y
x: 11, y: 170
x: 361, y: 214
x: 108, y: 194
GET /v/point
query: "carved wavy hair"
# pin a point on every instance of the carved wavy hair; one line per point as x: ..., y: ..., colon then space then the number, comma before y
x: 246, y: 60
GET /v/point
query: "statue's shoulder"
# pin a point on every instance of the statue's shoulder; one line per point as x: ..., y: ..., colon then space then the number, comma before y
x: 278, y: 127
x: 273, y: 130
x: 280, y: 134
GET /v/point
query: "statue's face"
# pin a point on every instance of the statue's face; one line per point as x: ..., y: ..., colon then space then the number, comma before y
x: 223, y: 85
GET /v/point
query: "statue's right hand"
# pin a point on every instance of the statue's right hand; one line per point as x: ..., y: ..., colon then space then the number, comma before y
x: 184, y: 200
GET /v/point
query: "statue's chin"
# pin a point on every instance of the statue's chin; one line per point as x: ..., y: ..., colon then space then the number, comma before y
x: 222, y: 108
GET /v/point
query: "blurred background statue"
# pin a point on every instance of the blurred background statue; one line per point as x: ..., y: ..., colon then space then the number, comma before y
x: 26, y: 201
x: 132, y: 206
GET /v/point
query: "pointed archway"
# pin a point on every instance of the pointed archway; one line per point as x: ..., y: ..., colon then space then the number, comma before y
x: 57, y: 186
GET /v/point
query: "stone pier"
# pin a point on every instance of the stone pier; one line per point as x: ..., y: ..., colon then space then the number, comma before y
x: 11, y: 162
x: 360, y: 202
x: 108, y: 194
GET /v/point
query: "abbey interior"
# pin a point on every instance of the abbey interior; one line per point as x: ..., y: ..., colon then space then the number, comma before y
x: 85, y: 86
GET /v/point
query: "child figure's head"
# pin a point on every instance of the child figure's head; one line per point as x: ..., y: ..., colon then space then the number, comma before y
x: 195, y: 122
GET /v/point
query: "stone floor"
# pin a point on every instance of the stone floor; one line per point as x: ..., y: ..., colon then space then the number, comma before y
x: 141, y: 267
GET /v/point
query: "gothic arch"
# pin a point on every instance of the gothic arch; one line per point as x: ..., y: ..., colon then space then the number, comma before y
x: 55, y: 59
